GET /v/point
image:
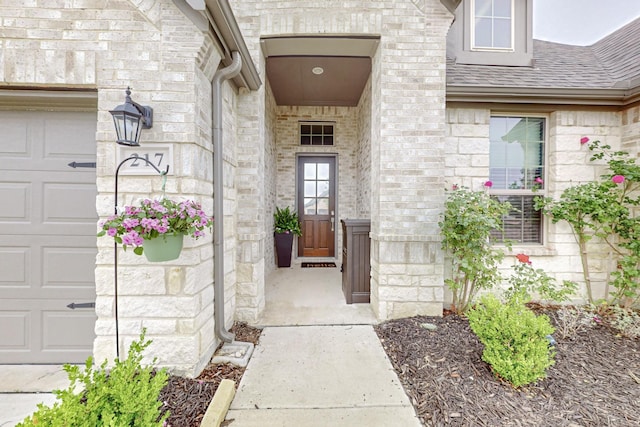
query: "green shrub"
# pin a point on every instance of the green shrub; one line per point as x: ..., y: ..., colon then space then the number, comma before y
x: 626, y: 321
x: 286, y: 221
x: 515, y: 339
x: 527, y: 281
x: 469, y: 220
x: 127, y: 395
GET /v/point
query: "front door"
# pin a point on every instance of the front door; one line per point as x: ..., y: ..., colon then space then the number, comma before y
x: 316, y: 205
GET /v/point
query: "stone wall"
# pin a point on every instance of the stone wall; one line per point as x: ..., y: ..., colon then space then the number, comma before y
x: 467, y: 160
x: 363, y: 155
x: 631, y: 130
x: 406, y: 125
x: 152, y: 47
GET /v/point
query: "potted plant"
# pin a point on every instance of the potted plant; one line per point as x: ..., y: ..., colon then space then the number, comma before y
x: 157, y: 227
x: 286, y: 225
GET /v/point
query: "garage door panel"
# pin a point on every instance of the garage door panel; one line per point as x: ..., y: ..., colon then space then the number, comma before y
x: 14, y: 135
x: 45, y: 331
x: 59, y: 196
x: 15, y: 265
x: 56, y: 272
x: 14, y: 333
x: 57, y: 129
x: 47, y: 267
x: 57, y: 324
x: 16, y: 197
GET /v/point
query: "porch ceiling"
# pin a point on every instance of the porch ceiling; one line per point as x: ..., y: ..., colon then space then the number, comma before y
x: 318, y: 71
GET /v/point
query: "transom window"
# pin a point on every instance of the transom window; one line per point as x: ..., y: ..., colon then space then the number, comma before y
x: 517, y: 173
x: 492, y: 24
x: 316, y: 133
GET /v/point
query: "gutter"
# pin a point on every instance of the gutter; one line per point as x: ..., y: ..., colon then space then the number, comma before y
x: 227, y: 26
x: 610, y: 97
x: 221, y: 76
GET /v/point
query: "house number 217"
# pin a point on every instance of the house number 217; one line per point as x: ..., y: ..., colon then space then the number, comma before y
x: 138, y: 163
x: 160, y: 155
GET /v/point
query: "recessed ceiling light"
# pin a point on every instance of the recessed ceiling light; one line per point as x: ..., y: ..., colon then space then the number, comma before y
x: 317, y: 70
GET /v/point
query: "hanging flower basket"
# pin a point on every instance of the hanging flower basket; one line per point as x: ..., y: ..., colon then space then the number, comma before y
x: 157, y: 223
x: 164, y: 248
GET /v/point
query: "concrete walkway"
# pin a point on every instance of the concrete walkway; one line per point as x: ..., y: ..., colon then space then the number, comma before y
x: 320, y: 376
x: 22, y: 387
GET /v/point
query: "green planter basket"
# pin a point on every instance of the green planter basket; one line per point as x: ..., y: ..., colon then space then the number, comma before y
x: 163, y: 248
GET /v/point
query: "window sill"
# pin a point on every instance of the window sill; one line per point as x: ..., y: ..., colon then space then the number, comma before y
x: 531, y: 250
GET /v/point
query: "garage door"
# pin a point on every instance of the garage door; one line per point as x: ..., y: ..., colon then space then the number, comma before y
x: 47, y: 236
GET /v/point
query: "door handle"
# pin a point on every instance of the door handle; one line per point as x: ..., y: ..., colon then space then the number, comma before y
x: 333, y: 220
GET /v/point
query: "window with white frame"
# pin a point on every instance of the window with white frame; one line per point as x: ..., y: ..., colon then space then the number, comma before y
x: 492, y: 23
x: 517, y: 174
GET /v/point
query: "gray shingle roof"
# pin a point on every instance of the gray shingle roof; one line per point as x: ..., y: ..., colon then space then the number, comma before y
x: 609, y: 63
x: 619, y: 52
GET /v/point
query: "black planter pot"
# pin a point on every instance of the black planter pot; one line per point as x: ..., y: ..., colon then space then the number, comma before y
x: 284, y: 247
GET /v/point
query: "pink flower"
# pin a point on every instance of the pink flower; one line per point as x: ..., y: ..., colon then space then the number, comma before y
x: 618, y: 179
x: 538, y: 180
x: 584, y: 140
x: 523, y: 258
x: 454, y: 187
x: 112, y: 231
x: 488, y: 184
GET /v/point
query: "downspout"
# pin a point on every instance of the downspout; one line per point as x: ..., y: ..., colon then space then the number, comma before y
x: 218, y: 226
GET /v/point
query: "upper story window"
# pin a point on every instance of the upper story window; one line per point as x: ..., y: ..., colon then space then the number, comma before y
x: 492, y: 24
x: 517, y: 172
x: 492, y: 32
x: 315, y: 133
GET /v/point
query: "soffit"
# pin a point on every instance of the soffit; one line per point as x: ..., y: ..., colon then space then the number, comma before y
x: 345, y: 64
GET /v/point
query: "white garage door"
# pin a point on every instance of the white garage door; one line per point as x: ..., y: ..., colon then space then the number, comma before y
x: 47, y: 236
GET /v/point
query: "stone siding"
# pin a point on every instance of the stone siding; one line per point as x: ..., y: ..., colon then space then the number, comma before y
x: 405, y: 126
x: 363, y: 155
x: 151, y: 46
x: 467, y: 160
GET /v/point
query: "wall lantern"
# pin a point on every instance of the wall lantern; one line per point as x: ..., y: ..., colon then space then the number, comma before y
x: 129, y: 118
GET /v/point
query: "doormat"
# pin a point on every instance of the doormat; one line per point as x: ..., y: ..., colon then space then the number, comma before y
x: 318, y: 264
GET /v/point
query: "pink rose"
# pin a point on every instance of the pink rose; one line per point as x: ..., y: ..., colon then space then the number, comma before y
x: 618, y: 179
x: 488, y: 184
x: 538, y: 180
x: 584, y: 140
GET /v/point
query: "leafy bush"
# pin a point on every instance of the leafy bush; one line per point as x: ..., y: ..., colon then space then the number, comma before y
x: 127, y: 395
x: 515, y: 339
x: 626, y: 321
x: 286, y: 221
x: 605, y: 209
x: 527, y: 280
x: 469, y: 219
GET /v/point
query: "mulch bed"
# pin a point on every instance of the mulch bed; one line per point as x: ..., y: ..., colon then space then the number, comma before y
x: 595, y: 380
x: 187, y: 399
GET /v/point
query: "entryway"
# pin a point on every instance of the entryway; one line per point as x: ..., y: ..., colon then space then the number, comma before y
x: 317, y: 205
x: 310, y: 296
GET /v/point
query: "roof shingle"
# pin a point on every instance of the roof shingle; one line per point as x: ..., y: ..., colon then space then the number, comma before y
x: 610, y: 63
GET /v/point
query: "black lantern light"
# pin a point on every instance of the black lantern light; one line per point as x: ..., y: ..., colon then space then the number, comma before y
x: 129, y: 118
